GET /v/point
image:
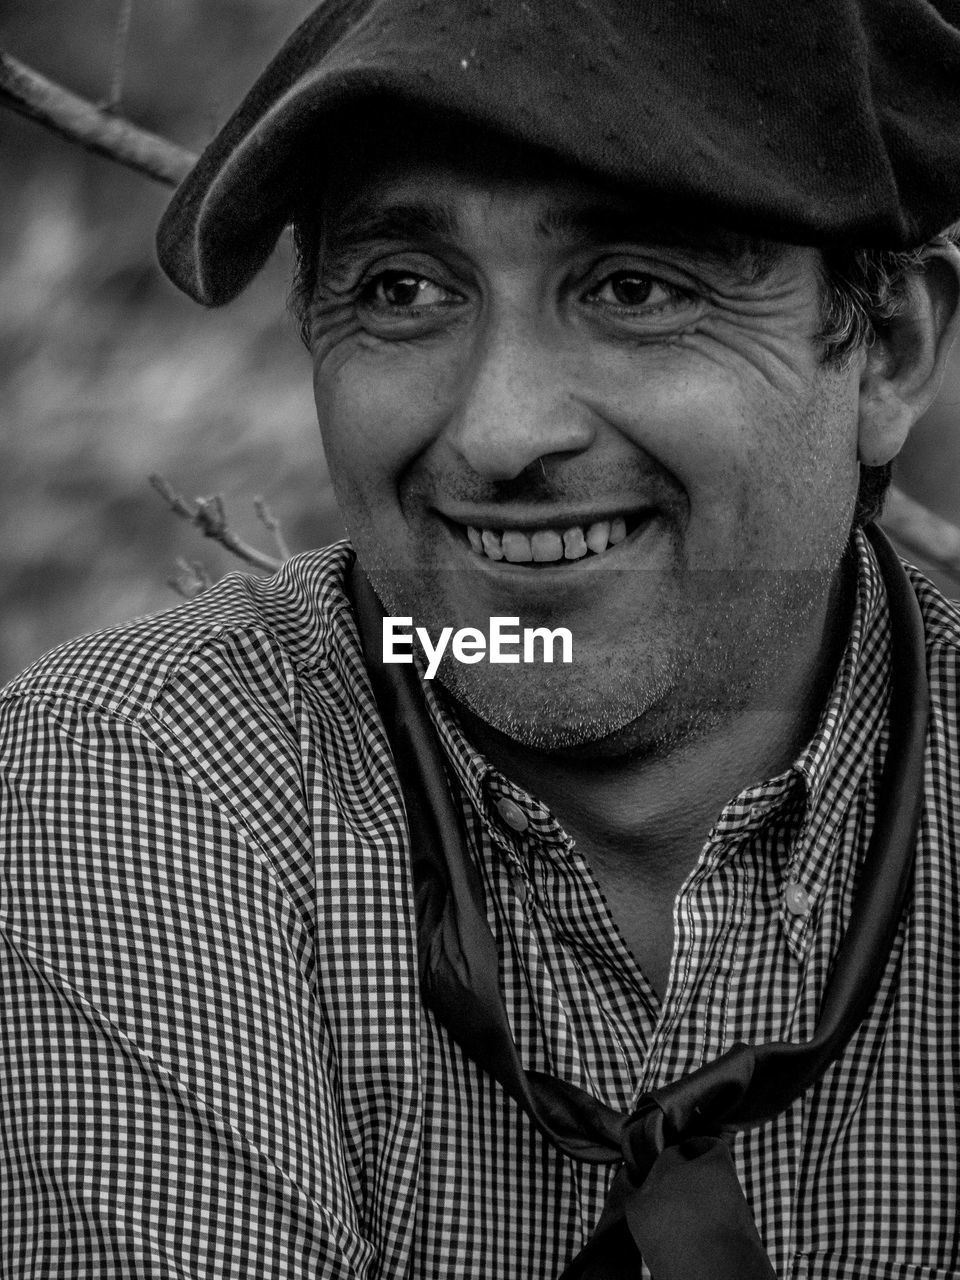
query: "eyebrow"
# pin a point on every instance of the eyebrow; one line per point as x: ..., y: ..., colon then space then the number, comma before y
x: 605, y: 223
x: 362, y: 223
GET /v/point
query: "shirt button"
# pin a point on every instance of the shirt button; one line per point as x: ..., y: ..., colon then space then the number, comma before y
x: 797, y: 899
x: 512, y: 815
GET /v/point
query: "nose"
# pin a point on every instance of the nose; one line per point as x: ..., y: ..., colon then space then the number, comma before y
x: 516, y: 401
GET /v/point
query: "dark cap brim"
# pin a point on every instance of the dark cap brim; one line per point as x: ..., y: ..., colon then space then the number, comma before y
x: 843, y: 125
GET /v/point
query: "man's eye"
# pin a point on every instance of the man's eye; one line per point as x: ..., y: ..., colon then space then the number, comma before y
x: 634, y: 289
x: 398, y: 290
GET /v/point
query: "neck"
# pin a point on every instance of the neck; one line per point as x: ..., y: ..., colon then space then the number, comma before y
x: 661, y: 793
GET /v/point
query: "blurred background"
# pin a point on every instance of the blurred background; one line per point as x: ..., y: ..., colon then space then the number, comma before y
x: 108, y: 374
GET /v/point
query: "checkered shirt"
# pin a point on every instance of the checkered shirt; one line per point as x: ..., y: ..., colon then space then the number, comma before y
x: 215, y: 1063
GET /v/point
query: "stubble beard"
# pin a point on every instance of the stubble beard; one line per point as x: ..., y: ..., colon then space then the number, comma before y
x: 646, y: 694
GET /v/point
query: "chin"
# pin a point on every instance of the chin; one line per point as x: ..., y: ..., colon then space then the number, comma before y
x: 556, y: 709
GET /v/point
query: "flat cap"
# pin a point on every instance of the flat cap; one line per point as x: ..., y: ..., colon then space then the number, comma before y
x: 808, y: 121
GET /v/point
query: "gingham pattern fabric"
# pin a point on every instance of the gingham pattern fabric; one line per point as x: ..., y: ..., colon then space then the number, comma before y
x: 214, y: 1059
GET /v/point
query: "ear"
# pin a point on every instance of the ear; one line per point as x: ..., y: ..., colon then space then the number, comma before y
x: 904, y: 366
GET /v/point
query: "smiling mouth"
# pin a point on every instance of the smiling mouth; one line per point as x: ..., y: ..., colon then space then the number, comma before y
x: 551, y: 545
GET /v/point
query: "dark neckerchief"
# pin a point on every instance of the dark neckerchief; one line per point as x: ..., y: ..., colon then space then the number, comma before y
x: 676, y: 1198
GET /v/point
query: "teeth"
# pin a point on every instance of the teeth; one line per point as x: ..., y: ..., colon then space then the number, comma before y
x: 547, y: 545
x: 516, y: 547
x: 491, y: 545
x: 598, y: 535
x: 574, y: 544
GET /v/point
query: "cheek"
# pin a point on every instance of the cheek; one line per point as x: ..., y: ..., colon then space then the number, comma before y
x: 377, y: 412
x: 794, y: 480
x: 764, y: 465
x: 690, y: 416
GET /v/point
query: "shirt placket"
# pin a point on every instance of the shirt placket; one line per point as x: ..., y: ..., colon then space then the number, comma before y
x: 594, y: 1014
x: 735, y: 917
x: 691, y: 1025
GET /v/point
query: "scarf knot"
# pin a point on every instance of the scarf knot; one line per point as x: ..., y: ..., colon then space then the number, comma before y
x: 647, y: 1131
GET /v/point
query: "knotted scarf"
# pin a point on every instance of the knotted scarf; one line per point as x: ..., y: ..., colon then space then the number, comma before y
x: 676, y: 1200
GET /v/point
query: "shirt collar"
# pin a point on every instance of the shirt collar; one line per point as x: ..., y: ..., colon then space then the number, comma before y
x: 841, y: 758
x: 856, y: 707
x: 513, y: 819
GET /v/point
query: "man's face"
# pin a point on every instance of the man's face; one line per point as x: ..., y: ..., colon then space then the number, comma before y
x: 513, y: 358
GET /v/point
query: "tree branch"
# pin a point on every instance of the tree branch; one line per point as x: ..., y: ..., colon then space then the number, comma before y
x: 120, y: 42
x: 270, y: 522
x: 210, y: 517
x: 193, y: 579
x: 92, y: 127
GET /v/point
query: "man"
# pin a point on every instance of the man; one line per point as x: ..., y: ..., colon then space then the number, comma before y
x: 316, y: 967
